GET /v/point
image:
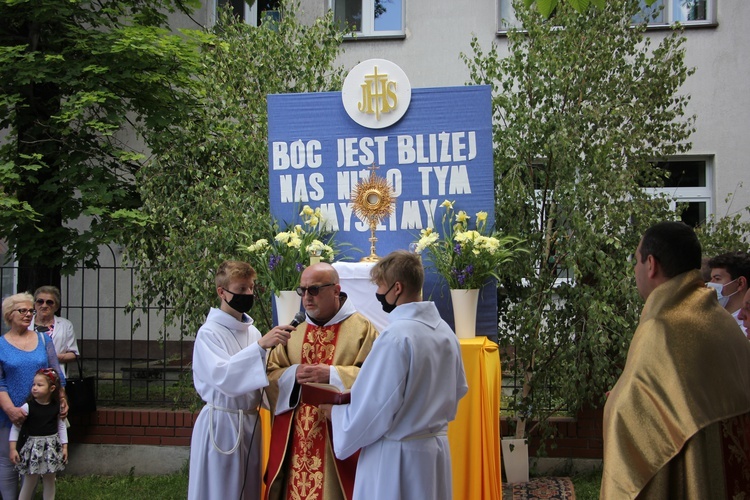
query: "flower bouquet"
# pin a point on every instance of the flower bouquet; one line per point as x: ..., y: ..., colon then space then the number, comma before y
x: 280, y: 261
x: 466, y: 258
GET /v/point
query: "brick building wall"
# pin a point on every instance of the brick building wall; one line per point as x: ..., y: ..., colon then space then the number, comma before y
x: 133, y: 426
x: 579, y: 437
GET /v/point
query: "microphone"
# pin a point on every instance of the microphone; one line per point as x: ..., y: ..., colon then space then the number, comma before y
x: 298, y: 318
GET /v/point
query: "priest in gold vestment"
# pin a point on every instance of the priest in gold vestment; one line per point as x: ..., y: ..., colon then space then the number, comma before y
x: 329, y: 347
x: 676, y: 423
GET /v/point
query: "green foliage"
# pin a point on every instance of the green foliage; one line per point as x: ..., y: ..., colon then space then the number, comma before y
x: 729, y: 233
x: 205, y: 189
x: 280, y: 261
x: 547, y: 7
x: 582, y: 104
x: 79, y: 81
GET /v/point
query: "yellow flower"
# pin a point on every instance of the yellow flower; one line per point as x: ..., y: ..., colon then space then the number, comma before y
x: 306, y: 210
x: 461, y: 216
x: 258, y: 246
x: 447, y: 204
x: 294, y: 241
x: 313, y: 221
x: 428, y: 238
x: 481, y: 216
x: 316, y: 246
x: 283, y: 236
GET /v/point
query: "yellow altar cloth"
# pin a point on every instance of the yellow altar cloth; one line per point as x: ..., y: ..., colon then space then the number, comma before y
x: 474, y: 435
x: 265, y: 425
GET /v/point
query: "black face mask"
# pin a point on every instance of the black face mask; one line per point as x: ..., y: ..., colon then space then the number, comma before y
x: 240, y: 302
x: 381, y: 298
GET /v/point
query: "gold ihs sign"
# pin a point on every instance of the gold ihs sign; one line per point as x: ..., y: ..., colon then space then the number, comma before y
x: 378, y: 94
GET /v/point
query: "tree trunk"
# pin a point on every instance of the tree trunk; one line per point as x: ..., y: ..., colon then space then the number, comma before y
x: 39, y: 245
x: 31, y: 277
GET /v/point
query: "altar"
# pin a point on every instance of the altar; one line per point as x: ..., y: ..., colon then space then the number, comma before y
x: 474, y: 435
x: 355, y: 282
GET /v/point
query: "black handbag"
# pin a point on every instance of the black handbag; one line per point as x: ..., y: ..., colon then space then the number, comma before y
x: 81, y: 391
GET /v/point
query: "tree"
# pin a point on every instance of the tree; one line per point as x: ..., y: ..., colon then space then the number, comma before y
x: 79, y: 83
x: 583, y: 105
x: 207, y: 181
x: 727, y: 233
x: 547, y: 7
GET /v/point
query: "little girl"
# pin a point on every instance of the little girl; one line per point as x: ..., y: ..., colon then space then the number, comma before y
x: 45, y: 451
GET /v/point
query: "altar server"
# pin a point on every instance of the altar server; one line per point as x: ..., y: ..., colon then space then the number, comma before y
x: 229, y: 369
x: 406, y: 393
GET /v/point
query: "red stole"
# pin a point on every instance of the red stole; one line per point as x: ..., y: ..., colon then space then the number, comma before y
x: 309, y: 432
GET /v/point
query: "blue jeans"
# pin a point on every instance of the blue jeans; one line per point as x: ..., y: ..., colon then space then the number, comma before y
x: 8, y: 474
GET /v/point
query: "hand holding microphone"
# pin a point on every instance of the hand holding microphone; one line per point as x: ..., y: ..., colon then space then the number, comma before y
x: 282, y: 333
x: 298, y: 318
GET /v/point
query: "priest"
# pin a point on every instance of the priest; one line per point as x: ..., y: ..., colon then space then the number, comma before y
x: 677, y: 422
x: 329, y: 347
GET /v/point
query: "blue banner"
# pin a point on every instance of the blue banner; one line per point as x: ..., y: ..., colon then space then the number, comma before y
x: 440, y: 150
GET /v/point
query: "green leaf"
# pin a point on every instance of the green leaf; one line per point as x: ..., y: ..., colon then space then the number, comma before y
x: 546, y: 7
x: 580, y: 5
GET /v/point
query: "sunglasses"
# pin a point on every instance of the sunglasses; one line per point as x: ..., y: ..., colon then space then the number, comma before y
x: 24, y: 311
x: 41, y: 302
x: 312, y: 290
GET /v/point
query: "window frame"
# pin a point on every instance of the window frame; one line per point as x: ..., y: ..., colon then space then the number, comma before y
x: 670, y: 20
x: 368, y: 22
x: 690, y: 194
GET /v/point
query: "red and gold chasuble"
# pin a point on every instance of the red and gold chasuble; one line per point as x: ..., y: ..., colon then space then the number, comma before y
x: 310, y: 433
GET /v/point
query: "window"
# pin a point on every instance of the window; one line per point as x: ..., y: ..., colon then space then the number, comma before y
x: 370, y: 18
x: 250, y: 14
x: 687, y: 12
x: 507, y: 16
x: 689, y: 187
x: 660, y: 13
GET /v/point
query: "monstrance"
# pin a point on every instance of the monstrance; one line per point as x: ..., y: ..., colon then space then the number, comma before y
x: 372, y: 202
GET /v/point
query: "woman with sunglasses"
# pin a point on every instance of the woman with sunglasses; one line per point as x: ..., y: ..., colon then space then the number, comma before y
x: 22, y: 352
x: 47, y: 303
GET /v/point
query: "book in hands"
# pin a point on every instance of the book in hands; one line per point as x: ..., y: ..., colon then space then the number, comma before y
x: 319, y: 394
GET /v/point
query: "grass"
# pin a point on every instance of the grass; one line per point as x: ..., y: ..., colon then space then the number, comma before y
x: 174, y: 486
x: 131, y: 487
x: 587, y: 485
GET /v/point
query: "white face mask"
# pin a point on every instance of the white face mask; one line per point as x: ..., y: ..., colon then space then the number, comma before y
x: 723, y: 299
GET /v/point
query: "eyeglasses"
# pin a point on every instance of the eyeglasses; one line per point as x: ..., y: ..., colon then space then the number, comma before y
x: 312, y: 290
x: 41, y: 302
x: 24, y: 311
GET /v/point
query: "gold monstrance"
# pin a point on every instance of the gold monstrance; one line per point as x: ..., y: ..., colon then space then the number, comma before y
x: 372, y: 202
